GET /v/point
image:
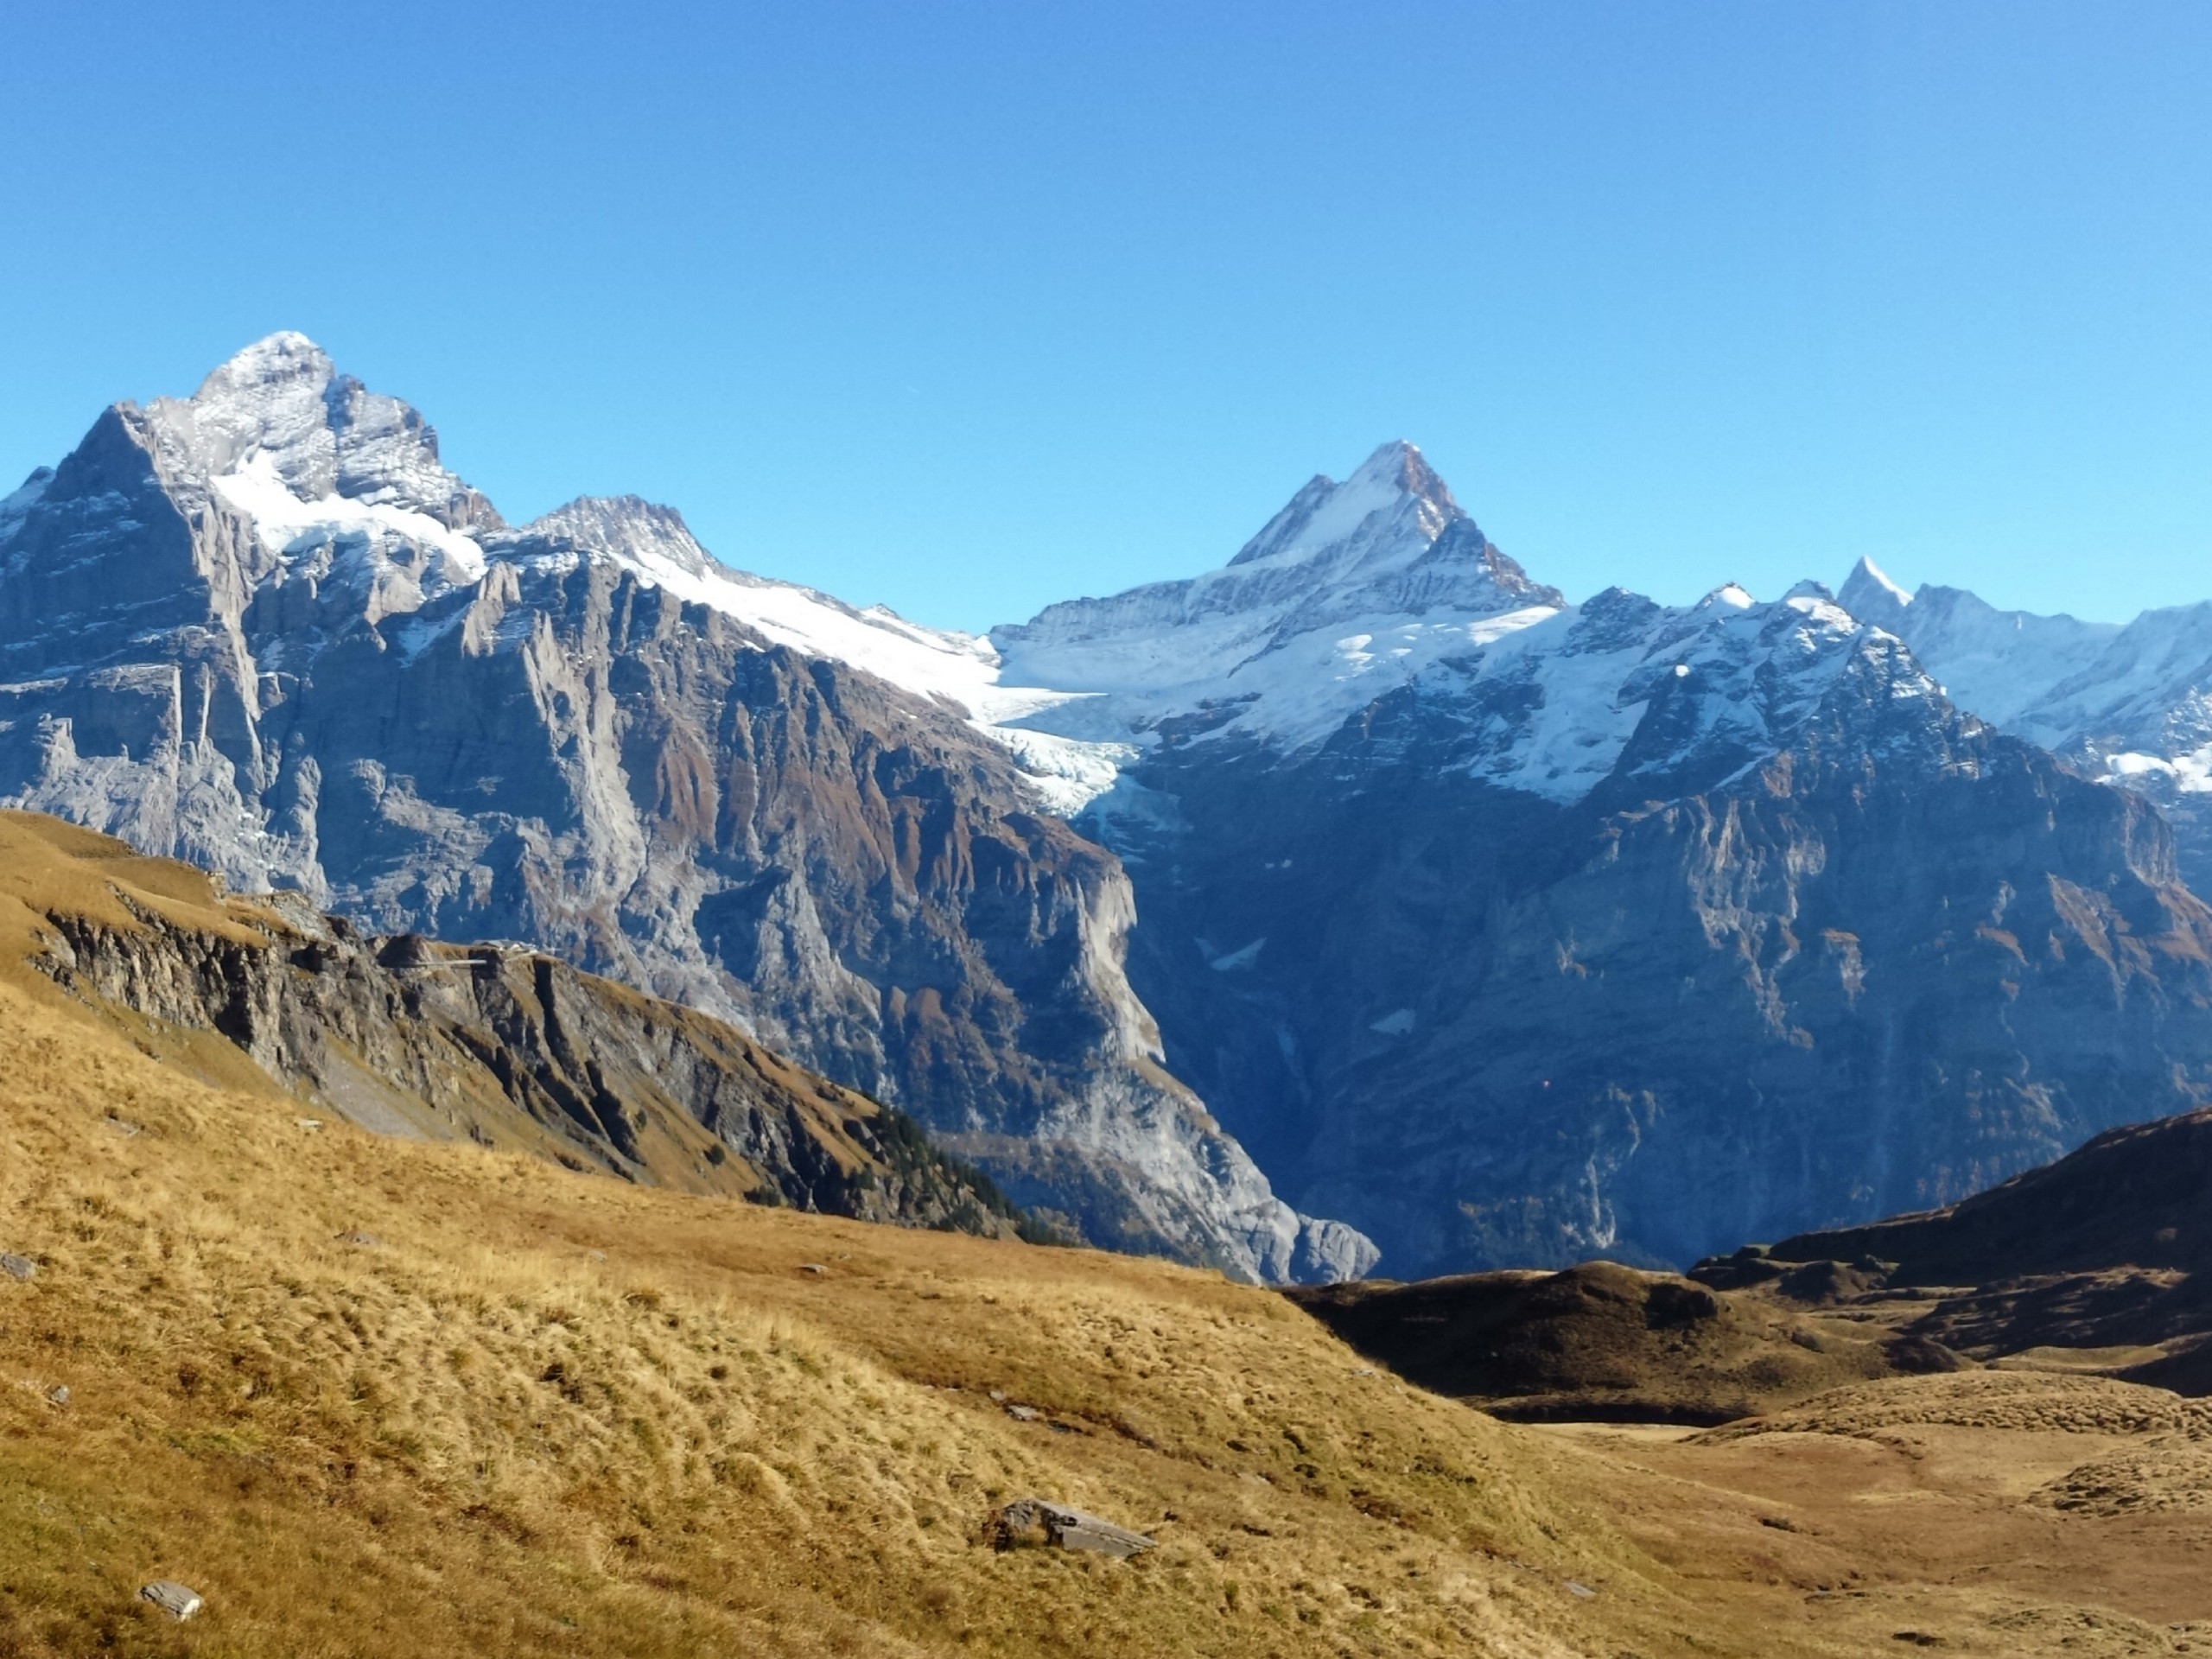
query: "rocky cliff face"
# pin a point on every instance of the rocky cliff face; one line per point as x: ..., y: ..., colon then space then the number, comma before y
x: 1493, y: 1030
x: 265, y: 630
x: 504, y: 1046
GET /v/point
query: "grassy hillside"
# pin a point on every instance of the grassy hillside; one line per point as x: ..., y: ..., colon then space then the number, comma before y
x: 501, y: 1045
x: 378, y: 1395
x: 383, y: 1395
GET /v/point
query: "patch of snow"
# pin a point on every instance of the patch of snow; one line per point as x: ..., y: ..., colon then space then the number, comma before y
x: 2188, y: 774
x: 1243, y: 957
x: 285, y: 523
x: 1867, y: 571
x: 1396, y: 1023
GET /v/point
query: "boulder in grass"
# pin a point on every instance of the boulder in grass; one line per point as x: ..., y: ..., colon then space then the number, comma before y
x: 1034, y: 1520
x: 19, y: 1267
x: 179, y: 1601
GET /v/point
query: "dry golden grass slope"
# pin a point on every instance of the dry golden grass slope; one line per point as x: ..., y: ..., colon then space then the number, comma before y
x: 379, y: 1396
x: 546, y: 1412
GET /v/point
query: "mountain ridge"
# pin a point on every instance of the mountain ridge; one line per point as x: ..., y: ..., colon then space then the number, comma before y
x: 270, y: 632
x: 1503, y: 927
x: 500, y: 1047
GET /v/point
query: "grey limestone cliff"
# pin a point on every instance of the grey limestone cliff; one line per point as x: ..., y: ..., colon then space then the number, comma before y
x: 265, y: 630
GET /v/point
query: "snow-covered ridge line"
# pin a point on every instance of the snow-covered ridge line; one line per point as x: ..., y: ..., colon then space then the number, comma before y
x: 340, y: 484
x: 1353, y: 591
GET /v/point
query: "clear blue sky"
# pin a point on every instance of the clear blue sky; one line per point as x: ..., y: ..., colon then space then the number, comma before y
x: 967, y: 308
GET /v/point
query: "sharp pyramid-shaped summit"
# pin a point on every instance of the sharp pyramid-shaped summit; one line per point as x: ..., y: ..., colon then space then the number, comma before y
x: 1394, y: 505
x: 1282, y: 630
x: 1870, y: 596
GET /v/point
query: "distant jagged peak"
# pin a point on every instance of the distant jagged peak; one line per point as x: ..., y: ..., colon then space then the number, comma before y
x: 1729, y: 595
x: 1393, y: 495
x: 627, y: 528
x: 1868, y: 593
x: 283, y: 357
x: 280, y: 410
x: 16, y: 506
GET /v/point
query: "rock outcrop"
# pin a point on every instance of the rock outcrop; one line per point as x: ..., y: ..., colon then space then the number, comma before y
x: 2105, y: 1252
x: 1599, y: 1342
x: 505, y: 1047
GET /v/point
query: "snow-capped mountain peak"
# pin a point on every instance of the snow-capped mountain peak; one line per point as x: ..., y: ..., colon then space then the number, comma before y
x: 1996, y: 664
x: 1395, y: 498
x: 322, y: 435
x: 628, y: 528
x: 1868, y: 593
x: 1349, y: 591
x: 275, y: 359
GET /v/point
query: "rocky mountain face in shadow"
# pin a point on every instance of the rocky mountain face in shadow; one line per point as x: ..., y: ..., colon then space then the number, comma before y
x: 2130, y: 705
x: 1626, y: 929
x: 1883, y: 967
x: 265, y: 630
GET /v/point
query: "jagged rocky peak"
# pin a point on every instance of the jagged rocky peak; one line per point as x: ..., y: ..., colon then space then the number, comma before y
x: 280, y: 413
x: 19, y: 502
x: 1288, y: 620
x: 1869, y: 595
x: 1393, y: 518
x: 2013, y: 669
x: 627, y: 528
x: 1395, y: 486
